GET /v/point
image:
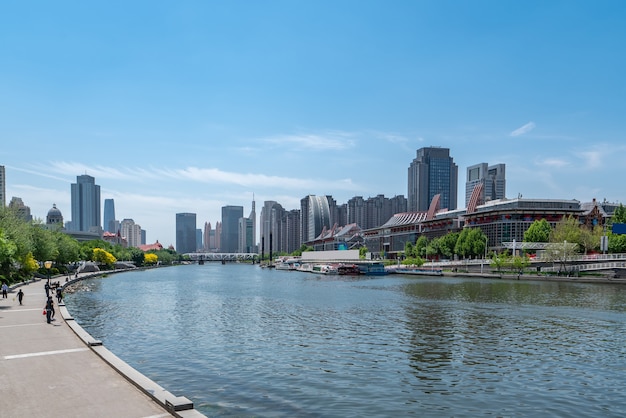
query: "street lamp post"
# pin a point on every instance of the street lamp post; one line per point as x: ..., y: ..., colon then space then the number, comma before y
x: 484, y: 259
x: 47, y: 265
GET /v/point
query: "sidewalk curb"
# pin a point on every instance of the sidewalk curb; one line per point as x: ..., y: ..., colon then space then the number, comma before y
x: 179, y: 406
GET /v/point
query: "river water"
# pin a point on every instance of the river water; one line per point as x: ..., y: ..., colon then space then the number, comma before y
x: 242, y: 341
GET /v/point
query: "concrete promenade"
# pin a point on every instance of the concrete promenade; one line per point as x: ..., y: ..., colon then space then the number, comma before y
x: 58, y: 370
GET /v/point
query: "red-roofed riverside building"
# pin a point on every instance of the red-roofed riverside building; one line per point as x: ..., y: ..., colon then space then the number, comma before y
x: 502, y: 221
x: 115, y: 239
x: 151, y: 247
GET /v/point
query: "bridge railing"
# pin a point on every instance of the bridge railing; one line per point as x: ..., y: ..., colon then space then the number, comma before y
x: 221, y: 256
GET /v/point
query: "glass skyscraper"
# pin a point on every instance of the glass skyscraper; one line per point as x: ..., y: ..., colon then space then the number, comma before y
x: 185, y: 233
x: 230, y: 228
x: 492, y: 178
x: 432, y: 172
x: 109, y: 216
x: 85, y: 204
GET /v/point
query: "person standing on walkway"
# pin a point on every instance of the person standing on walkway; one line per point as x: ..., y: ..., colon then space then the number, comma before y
x: 5, y: 289
x: 59, y: 295
x: 49, y: 309
x: 47, y: 287
x: 20, y: 296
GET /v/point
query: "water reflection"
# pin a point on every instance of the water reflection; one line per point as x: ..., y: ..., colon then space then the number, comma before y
x: 243, y: 341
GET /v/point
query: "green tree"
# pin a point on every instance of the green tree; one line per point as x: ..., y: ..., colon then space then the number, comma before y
x: 498, y: 261
x: 8, y: 250
x: 446, y: 244
x: 519, y: 263
x: 421, y: 245
x: 362, y: 252
x: 538, y: 231
x: 303, y: 248
x: 470, y: 243
x: 566, y: 230
x: 44, y: 244
x: 68, y: 249
x: 617, y: 243
x: 619, y: 216
x: 408, y: 250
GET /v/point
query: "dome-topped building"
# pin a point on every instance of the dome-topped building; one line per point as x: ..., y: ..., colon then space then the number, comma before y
x: 55, y: 217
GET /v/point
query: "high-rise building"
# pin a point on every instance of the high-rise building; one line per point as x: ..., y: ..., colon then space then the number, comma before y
x: 198, y: 239
x: 398, y: 204
x: 217, y: 235
x: 20, y: 208
x: 493, y: 179
x: 271, y: 214
x: 290, y: 232
x: 245, y: 235
x: 3, y: 187
x: 247, y: 231
x: 207, y: 245
x: 433, y: 172
x: 315, y: 216
x: 185, y: 233
x: 230, y: 228
x: 85, y: 205
x: 131, y: 232
x: 109, y: 216
x: 356, y: 211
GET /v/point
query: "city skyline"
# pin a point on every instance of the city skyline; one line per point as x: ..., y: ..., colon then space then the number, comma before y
x: 177, y: 108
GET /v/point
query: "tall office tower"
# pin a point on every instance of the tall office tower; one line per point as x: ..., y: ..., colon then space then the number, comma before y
x: 185, y: 233
x: 315, y: 215
x: 206, y: 244
x: 131, y: 232
x: 3, y: 187
x: 230, y: 228
x: 218, y: 235
x: 109, y: 216
x: 252, y: 217
x: 356, y: 211
x: 245, y: 235
x: 492, y: 178
x: 269, y: 220
x: 432, y: 172
x: 247, y: 231
x: 143, y: 236
x: 198, y: 239
x: 85, y: 204
x: 20, y: 209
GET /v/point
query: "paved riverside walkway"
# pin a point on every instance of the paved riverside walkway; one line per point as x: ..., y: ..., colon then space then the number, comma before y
x: 47, y: 370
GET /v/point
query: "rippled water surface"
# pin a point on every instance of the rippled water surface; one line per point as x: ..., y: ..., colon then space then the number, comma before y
x: 243, y: 341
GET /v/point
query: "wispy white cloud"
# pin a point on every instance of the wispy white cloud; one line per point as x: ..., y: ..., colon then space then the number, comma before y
x: 552, y: 163
x: 333, y: 141
x: 592, y: 159
x: 202, y: 175
x: 523, y: 129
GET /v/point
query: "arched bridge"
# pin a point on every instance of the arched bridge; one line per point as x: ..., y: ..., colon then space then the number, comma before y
x: 221, y: 256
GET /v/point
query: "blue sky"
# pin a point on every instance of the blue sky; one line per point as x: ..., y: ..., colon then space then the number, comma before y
x: 189, y: 106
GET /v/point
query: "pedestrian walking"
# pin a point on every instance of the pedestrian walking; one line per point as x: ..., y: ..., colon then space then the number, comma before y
x: 20, y: 296
x: 47, y: 287
x: 59, y: 295
x: 49, y: 309
x: 5, y: 289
